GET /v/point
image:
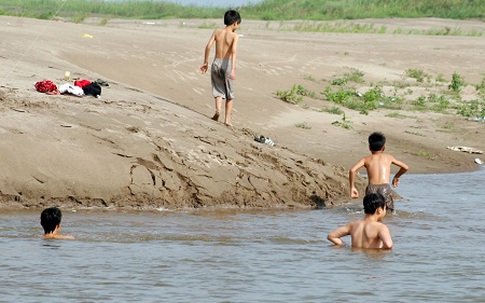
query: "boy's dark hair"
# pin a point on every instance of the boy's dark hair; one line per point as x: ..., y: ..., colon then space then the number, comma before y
x: 50, y: 218
x: 231, y: 17
x: 376, y: 141
x: 372, y: 202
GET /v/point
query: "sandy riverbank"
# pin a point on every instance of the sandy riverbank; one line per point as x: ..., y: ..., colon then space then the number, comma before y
x: 148, y: 142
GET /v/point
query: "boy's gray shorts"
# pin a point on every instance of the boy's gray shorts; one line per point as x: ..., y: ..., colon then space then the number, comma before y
x: 383, y: 189
x: 222, y: 85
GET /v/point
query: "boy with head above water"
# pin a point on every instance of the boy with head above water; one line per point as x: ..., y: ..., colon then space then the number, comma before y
x: 50, y: 219
x: 369, y: 232
x: 223, y: 68
x: 378, y: 167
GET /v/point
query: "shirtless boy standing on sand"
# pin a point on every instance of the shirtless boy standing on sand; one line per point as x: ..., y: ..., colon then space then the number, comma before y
x: 50, y: 219
x: 378, y: 167
x: 223, y: 69
x: 368, y: 232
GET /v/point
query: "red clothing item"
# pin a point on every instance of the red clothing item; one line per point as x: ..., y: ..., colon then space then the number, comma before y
x: 45, y: 86
x: 82, y: 83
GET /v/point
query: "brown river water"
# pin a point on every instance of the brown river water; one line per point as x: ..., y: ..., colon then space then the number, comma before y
x: 256, y: 256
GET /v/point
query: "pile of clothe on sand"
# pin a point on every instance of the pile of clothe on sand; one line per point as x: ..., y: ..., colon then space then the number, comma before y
x: 78, y: 88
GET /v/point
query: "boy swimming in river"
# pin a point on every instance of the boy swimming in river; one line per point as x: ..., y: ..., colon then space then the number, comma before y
x: 223, y: 69
x: 50, y: 219
x: 369, y: 232
x: 378, y: 167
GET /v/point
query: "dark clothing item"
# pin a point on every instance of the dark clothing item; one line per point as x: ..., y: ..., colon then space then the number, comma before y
x: 92, y: 89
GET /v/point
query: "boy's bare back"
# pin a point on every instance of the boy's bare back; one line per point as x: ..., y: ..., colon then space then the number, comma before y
x: 224, y: 39
x: 226, y: 47
x: 378, y: 167
x: 369, y: 234
x: 364, y: 234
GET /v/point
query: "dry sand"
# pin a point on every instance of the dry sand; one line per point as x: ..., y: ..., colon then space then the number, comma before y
x: 149, y: 142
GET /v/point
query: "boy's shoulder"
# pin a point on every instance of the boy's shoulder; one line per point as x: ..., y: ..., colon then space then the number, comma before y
x: 356, y: 223
x: 381, y: 155
x: 220, y: 33
x: 58, y: 237
x: 370, y: 222
x: 379, y: 226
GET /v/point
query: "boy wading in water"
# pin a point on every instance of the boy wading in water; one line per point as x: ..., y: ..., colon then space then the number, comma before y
x: 378, y: 167
x: 368, y: 232
x: 50, y: 219
x: 223, y: 69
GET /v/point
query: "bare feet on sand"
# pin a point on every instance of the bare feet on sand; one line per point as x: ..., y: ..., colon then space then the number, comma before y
x: 216, y: 116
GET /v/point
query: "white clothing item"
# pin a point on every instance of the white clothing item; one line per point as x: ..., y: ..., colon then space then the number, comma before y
x: 71, y: 89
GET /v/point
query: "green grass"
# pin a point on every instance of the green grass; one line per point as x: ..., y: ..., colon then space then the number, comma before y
x: 456, y: 82
x: 209, y: 25
x: 349, y: 90
x: 354, y: 75
x: 472, y: 109
x: 369, y: 100
x: 445, y: 31
x: 417, y: 74
x: 343, y: 123
x: 414, y: 133
x: 339, y: 27
x: 481, y: 87
x: 292, y: 96
x: 295, y: 94
x: 425, y: 154
x: 310, y: 78
x: 447, y: 127
x: 358, y: 9
x: 396, y: 115
x: 46, y: 9
x: 335, y: 110
x: 440, y: 78
x: 311, y: 10
x: 357, y: 27
x: 303, y: 125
